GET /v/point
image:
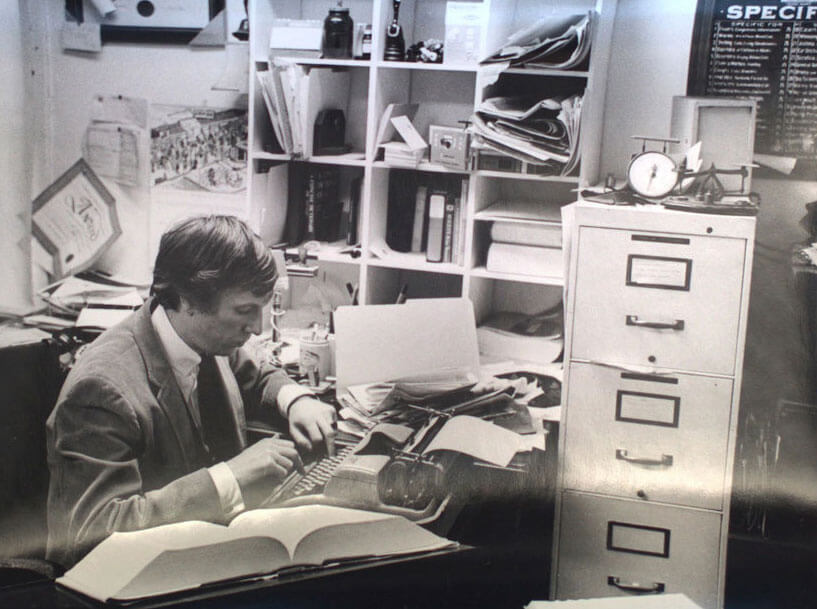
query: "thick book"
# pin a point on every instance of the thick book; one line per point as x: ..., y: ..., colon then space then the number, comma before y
x: 183, y: 556
x: 523, y: 233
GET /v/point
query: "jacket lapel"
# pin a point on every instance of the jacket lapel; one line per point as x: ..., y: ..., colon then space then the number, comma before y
x: 167, y: 390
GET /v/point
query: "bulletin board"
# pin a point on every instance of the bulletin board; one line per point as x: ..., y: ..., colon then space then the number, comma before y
x: 764, y: 50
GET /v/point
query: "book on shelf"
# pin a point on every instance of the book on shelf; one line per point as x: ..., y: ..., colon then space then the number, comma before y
x: 401, y: 208
x: 448, y: 228
x: 436, y: 222
x: 523, y: 233
x: 185, y: 556
x: 525, y: 260
x: 419, y: 224
x: 350, y: 211
x: 323, y: 207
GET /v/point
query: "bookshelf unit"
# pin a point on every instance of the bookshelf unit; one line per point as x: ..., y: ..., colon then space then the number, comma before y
x: 446, y: 94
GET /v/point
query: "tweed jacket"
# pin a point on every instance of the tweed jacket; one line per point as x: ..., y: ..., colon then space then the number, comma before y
x: 124, y: 450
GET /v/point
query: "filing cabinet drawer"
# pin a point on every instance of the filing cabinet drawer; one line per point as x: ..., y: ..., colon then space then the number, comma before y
x: 655, y: 437
x: 658, y: 299
x: 615, y: 547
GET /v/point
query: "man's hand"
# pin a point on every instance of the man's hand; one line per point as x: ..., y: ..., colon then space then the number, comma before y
x: 268, y: 461
x: 311, y: 422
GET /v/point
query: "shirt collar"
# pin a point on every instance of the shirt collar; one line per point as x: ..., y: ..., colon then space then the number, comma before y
x: 183, y: 359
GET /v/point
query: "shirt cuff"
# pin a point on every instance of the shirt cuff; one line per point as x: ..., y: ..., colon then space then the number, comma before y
x: 287, y: 396
x: 232, y: 502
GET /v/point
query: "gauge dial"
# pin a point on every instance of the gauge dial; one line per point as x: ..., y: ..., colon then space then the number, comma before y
x: 652, y: 174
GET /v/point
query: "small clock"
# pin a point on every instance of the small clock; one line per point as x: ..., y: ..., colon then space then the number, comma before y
x: 652, y: 174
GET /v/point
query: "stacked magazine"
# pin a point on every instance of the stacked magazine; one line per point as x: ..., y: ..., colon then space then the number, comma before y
x: 538, y: 131
x: 557, y: 42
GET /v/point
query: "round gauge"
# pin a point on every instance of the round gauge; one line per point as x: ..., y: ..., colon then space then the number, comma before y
x: 652, y: 174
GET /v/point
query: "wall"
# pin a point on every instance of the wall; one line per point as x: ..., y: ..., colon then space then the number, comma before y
x: 162, y: 74
x: 14, y: 199
x: 648, y: 65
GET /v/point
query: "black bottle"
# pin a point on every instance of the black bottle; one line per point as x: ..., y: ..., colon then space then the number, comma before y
x: 337, y: 34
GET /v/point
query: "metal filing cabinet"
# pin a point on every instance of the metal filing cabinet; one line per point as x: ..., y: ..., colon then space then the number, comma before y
x: 655, y: 327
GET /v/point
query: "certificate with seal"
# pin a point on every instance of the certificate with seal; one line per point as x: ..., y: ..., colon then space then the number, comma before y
x: 75, y: 219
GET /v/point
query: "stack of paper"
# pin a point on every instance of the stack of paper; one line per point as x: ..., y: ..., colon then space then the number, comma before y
x: 538, y: 131
x: 556, y: 42
x: 401, y: 154
x: 91, y: 300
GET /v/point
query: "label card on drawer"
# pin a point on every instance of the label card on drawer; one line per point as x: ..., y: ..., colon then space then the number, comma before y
x: 648, y: 408
x: 659, y: 272
x: 637, y: 539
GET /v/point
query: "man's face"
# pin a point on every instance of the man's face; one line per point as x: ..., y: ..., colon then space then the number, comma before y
x: 237, y: 314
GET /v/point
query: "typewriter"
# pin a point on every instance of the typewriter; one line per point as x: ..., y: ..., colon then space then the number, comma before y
x: 388, y: 470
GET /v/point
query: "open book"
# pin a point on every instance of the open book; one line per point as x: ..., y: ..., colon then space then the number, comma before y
x: 186, y: 555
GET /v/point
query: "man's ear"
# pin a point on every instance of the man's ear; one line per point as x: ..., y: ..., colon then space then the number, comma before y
x: 187, y: 307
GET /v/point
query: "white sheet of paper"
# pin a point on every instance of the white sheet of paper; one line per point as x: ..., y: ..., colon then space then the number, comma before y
x: 479, y: 439
x: 409, y: 134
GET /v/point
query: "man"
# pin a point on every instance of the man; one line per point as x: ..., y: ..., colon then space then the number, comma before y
x: 149, y: 427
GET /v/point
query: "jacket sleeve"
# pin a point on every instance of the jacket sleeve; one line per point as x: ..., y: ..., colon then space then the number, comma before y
x: 95, y: 440
x: 259, y: 386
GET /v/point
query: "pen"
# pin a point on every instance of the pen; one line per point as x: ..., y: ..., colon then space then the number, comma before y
x: 401, y: 296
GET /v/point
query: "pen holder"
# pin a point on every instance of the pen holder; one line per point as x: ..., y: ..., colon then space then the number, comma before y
x: 315, y: 359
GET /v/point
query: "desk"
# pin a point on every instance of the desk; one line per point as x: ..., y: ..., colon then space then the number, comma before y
x: 497, y: 577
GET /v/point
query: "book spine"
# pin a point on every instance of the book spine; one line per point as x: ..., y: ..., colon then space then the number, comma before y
x: 419, y: 219
x: 310, y: 205
x: 354, y: 206
x: 436, y: 213
x: 448, y: 229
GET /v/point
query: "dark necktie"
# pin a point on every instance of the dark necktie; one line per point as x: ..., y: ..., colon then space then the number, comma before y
x: 217, y: 423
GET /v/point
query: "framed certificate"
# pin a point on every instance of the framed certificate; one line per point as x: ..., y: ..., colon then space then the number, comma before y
x: 163, y: 21
x: 75, y: 220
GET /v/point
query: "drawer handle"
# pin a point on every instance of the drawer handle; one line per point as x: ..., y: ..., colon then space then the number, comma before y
x: 655, y: 588
x: 678, y: 324
x: 622, y: 454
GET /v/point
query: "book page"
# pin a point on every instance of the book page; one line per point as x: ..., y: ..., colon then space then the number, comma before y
x: 389, y: 536
x: 109, y: 567
x: 290, y: 525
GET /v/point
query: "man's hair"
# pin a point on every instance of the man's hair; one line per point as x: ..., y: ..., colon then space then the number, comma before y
x: 202, y: 256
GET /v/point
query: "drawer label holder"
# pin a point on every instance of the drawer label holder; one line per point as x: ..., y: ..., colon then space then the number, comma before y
x: 659, y: 272
x: 638, y: 539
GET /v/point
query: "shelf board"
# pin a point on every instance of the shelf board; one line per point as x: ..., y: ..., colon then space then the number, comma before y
x: 512, y: 175
x: 319, y: 62
x: 328, y: 252
x: 431, y: 67
x: 422, y: 166
x: 548, y: 72
x: 481, y: 271
x: 487, y: 217
x: 354, y: 159
x: 415, y: 261
x: 260, y: 155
